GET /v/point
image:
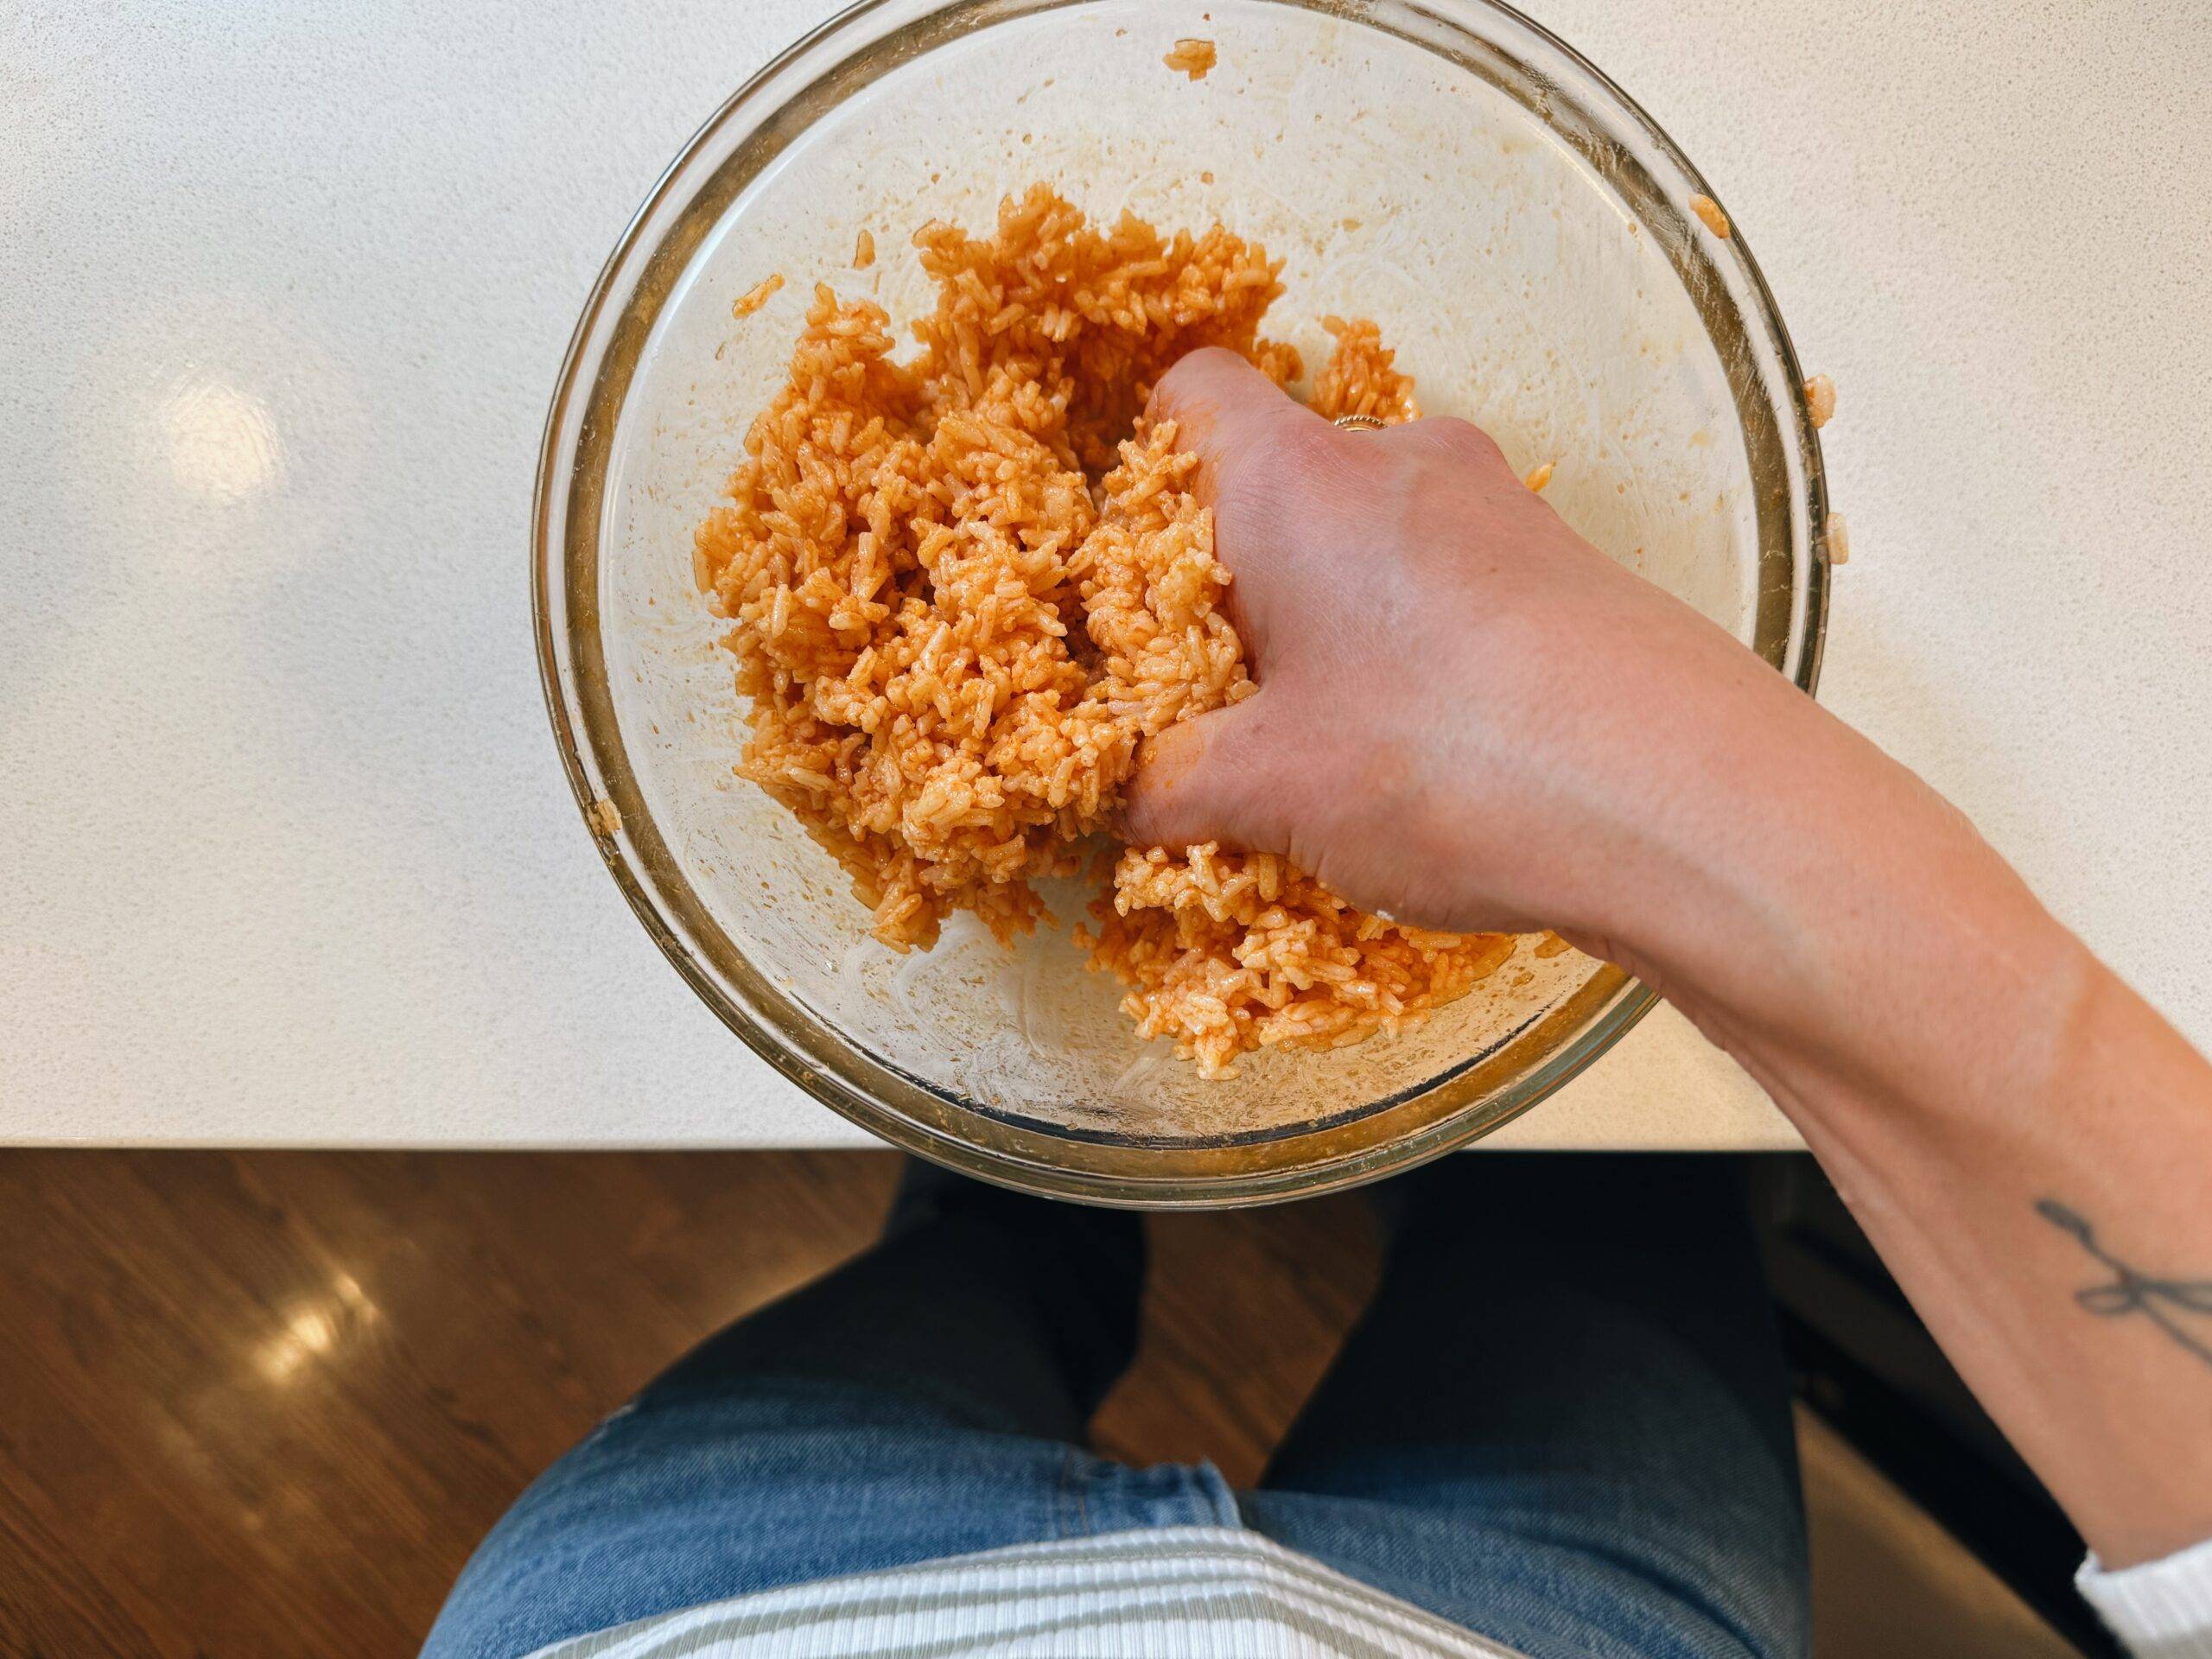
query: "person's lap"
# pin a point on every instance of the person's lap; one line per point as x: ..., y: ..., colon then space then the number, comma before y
x: 1565, y: 1421
x: 1561, y: 1424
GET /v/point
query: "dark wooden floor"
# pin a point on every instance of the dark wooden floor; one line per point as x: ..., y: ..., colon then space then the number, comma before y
x: 264, y: 1404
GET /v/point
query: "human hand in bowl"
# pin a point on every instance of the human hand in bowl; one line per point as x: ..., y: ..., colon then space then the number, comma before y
x: 1469, y: 718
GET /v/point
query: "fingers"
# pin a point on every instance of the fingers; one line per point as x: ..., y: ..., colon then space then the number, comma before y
x: 1225, y: 410
x: 1259, y: 451
x: 1206, y: 779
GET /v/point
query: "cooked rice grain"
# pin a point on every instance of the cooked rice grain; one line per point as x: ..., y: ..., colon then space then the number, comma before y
x: 951, y: 640
x: 1192, y: 58
x: 1820, y: 400
x: 756, y: 296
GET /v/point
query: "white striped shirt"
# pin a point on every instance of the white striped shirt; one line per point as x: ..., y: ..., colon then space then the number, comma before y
x: 1194, y: 1592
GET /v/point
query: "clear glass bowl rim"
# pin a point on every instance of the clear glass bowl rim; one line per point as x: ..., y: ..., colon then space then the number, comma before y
x: 840, y: 58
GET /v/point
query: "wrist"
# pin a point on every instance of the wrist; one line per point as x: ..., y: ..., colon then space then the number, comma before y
x: 1866, y: 948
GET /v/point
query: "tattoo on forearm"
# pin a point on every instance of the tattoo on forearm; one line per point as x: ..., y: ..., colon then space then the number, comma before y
x: 2159, y: 1300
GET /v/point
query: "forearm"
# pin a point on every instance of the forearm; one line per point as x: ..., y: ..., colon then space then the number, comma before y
x: 1981, y: 1090
x: 1974, y: 1198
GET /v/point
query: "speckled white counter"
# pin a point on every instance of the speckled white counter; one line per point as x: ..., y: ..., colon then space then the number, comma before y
x: 285, y: 853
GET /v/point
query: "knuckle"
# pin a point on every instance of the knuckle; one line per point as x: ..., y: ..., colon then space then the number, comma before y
x: 1210, y: 358
x: 1290, y: 450
x: 1188, y: 373
x: 1460, y: 440
x: 1266, y: 485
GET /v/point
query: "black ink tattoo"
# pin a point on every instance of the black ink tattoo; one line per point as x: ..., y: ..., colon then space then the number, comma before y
x: 2130, y: 1292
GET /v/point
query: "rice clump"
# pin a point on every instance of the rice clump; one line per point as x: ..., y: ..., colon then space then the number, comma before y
x: 964, y: 588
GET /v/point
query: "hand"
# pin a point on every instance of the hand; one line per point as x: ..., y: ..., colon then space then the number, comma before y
x: 1469, y: 718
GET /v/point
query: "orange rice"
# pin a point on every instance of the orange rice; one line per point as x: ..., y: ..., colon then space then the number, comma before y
x: 1192, y: 58
x: 964, y: 588
x: 756, y: 296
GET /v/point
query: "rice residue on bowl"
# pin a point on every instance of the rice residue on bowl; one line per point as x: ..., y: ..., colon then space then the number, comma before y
x: 965, y: 588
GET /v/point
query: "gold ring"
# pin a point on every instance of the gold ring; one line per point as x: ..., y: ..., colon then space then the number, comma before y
x: 1360, y: 423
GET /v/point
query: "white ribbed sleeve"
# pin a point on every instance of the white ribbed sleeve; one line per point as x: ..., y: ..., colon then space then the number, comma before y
x: 2161, y: 1610
x: 1194, y: 1592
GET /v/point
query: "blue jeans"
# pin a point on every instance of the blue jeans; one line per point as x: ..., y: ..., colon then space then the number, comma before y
x: 1563, y: 1423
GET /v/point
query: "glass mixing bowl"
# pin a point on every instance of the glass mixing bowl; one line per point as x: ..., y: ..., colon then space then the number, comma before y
x: 1522, y: 233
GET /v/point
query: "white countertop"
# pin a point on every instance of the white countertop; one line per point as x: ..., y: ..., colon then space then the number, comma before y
x: 285, y: 853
